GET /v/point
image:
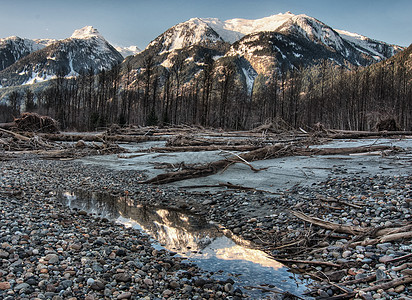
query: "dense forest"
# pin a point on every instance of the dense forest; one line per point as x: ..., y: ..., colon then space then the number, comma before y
x: 326, y: 94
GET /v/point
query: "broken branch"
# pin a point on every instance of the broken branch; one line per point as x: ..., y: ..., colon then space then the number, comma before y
x: 329, y: 225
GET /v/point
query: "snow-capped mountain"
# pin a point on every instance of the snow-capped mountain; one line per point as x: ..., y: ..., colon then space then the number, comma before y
x: 192, y: 32
x: 310, y: 28
x: 85, y: 50
x: 127, y: 51
x: 263, y: 46
x: 205, y: 31
x: 299, y: 41
x: 13, y: 48
x: 260, y: 46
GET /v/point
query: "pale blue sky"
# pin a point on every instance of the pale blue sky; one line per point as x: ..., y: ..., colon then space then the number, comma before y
x: 127, y: 22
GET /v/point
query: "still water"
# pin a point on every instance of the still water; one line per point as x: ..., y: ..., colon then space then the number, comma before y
x: 200, y: 242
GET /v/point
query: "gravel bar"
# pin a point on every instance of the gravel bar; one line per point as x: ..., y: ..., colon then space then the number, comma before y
x: 50, y: 252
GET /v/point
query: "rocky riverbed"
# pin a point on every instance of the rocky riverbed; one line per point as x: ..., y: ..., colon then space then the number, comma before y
x: 49, y: 251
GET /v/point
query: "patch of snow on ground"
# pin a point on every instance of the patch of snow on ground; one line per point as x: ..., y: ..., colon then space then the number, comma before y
x: 35, y: 78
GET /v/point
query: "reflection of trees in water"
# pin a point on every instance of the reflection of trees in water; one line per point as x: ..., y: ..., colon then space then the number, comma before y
x: 175, y: 229
x: 102, y: 204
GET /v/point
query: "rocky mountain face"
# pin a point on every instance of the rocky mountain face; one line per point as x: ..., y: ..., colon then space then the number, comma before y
x: 256, y: 47
x: 14, y: 48
x: 85, y: 50
x: 273, y: 44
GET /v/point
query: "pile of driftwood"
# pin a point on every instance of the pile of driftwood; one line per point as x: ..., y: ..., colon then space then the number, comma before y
x: 29, y: 143
x: 32, y: 122
x: 32, y: 132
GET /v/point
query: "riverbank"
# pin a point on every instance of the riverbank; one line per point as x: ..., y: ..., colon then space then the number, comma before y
x: 48, y: 251
x: 105, y: 262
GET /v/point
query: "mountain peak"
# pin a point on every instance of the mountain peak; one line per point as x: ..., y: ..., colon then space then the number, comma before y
x: 13, y: 37
x: 85, y: 33
x: 233, y: 29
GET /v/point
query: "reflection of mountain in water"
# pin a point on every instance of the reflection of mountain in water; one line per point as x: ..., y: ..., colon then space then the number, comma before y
x: 175, y: 230
x: 192, y: 237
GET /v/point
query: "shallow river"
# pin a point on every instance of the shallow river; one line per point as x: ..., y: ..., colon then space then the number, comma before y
x: 191, y: 236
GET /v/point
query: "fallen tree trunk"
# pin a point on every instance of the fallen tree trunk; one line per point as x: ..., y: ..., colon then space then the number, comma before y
x: 66, y: 137
x: 7, y: 125
x: 214, y: 167
x: 227, y: 185
x: 343, y: 134
x: 390, y: 284
x: 275, y: 151
x: 204, y: 148
x: 342, y: 151
x: 329, y: 225
x: 384, y: 239
x: 387, y: 231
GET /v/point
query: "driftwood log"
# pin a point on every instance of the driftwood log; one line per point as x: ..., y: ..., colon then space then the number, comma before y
x: 204, y: 148
x: 67, y: 137
x: 344, y: 134
x: 275, y: 151
x: 34, y: 139
x: 329, y: 225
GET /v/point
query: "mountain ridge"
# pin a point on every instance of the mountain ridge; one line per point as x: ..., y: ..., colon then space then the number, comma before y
x: 260, y: 47
x: 286, y: 41
x: 85, y: 50
x: 233, y: 30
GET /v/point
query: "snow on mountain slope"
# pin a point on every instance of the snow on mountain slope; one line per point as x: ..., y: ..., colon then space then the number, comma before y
x: 127, y: 51
x: 13, y: 48
x: 315, y: 31
x: 234, y: 29
x: 192, y: 32
x: 85, y: 50
x: 86, y: 32
x: 221, y: 28
x: 45, y: 42
x: 379, y: 50
x: 311, y: 28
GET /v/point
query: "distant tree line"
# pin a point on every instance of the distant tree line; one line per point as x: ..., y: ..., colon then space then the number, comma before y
x: 153, y: 95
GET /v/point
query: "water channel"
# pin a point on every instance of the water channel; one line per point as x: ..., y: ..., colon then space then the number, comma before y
x: 191, y: 236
